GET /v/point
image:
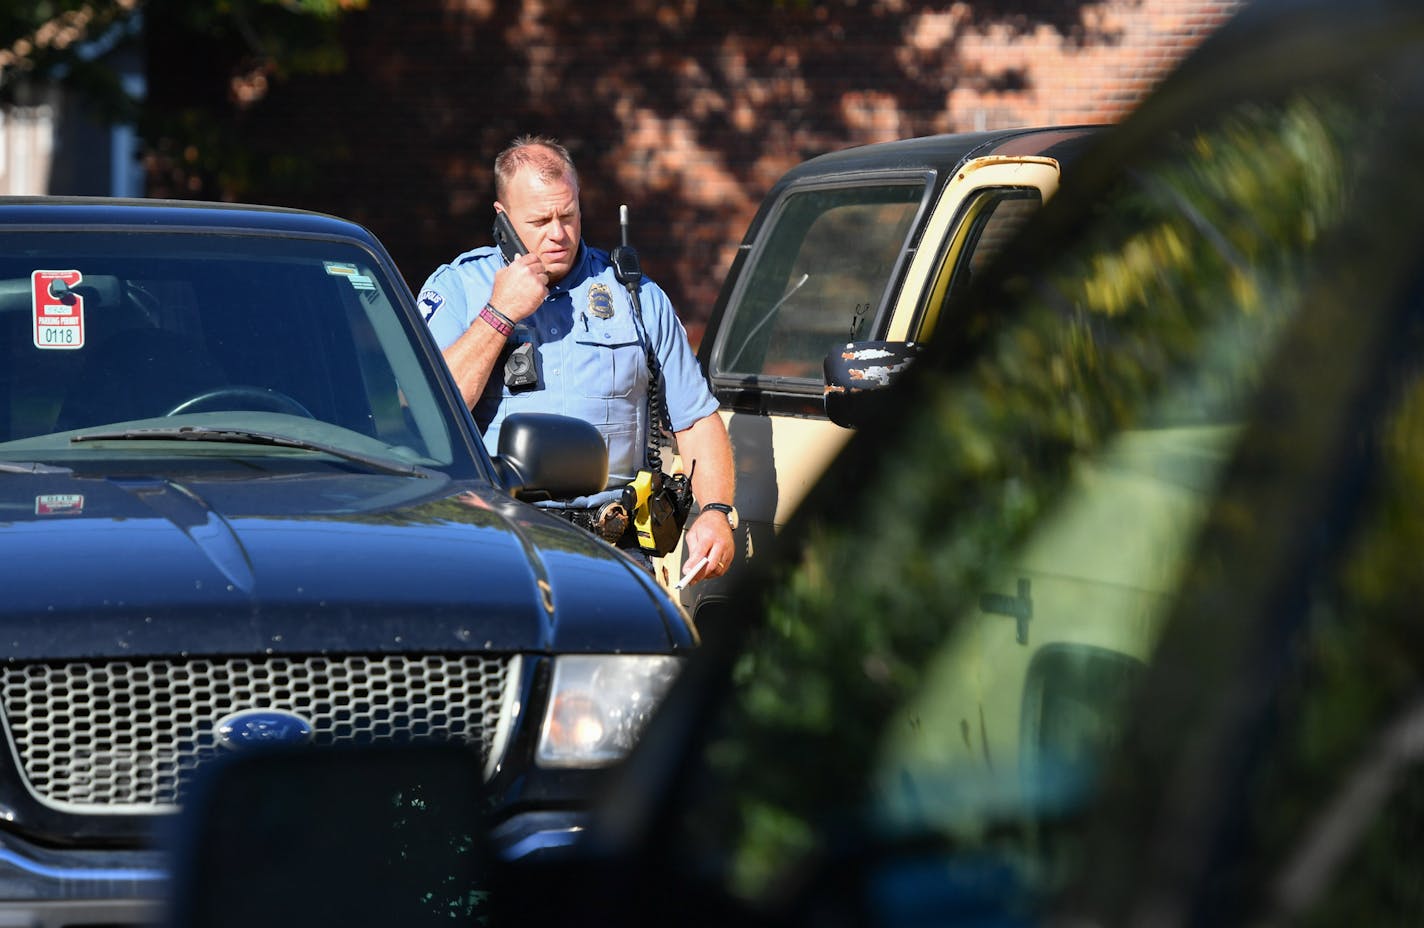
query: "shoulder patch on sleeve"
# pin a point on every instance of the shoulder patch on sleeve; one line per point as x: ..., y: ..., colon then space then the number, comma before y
x: 429, y: 302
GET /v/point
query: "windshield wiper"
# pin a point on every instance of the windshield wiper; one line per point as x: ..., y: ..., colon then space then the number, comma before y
x: 251, y: 437
x: 32, y: 467
x: 769, y: 315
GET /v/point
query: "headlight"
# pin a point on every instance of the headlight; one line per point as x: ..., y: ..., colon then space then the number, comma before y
x: 598, y: 705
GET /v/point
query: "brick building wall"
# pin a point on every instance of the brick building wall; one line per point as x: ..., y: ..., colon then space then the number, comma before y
x: 685, y: 111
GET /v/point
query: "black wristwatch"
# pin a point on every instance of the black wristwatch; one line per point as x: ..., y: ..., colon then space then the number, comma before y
x: 726, y: 509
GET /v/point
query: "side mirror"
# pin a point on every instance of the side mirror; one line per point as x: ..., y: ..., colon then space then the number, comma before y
x: 858, y: 374
x: 301, y: 836
x: 544, y: 456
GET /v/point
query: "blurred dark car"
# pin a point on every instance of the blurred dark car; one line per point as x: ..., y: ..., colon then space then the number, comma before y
x: 1111, y: 615
x: 243, y: 505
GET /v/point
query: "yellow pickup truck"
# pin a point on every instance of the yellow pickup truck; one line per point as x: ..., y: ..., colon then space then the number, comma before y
x: 856, y: 254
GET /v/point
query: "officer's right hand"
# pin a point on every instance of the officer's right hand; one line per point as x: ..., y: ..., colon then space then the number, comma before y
x: 520, y: 287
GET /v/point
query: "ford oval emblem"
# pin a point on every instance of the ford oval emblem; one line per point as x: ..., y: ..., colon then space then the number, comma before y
x: 253, y: 727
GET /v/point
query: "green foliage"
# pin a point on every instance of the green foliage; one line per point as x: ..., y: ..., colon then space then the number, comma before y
x: 60, y: 41
x: 208, y: 60
x: 208, y: 64
x: 1192, y: 264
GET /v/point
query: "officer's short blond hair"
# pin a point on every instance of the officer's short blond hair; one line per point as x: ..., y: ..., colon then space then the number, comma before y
x: 545, y: 155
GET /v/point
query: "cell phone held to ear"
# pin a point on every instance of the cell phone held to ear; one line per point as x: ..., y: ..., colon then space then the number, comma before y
x: 506, y: 238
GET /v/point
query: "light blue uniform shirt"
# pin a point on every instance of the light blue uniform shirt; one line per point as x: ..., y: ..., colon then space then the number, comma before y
x: 592, y: 363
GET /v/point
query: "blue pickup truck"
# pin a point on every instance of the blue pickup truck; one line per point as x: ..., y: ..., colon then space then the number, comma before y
x: 241, y: 505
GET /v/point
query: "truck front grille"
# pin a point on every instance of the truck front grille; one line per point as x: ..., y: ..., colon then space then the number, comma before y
x: 126, y: 735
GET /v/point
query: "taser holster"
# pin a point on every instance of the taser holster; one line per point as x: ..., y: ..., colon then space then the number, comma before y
x: 660, y: 504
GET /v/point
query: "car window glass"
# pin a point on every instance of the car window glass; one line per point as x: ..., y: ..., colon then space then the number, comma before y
x: 1003, y: 216
x: 1025, y: 530
x: 1329, y: 822
x: 191, y: 325
x: 989, y: 220
x: 818, y: 278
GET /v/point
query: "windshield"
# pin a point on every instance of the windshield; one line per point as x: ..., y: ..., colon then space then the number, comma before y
x: 102, y: 330
x: 972, y: 596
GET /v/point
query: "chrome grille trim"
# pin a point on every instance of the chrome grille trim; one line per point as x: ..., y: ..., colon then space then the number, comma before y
x: 124, y: 736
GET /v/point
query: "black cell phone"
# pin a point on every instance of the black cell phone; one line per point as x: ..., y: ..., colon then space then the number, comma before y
x: 507, y: 238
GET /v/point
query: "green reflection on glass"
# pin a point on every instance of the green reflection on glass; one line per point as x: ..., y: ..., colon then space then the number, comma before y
x: 1159, y: 315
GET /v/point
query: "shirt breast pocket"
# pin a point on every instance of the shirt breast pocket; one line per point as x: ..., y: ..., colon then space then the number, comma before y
x: 612, y: 364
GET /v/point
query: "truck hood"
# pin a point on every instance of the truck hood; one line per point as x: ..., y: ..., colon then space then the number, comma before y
x: 308, y: 563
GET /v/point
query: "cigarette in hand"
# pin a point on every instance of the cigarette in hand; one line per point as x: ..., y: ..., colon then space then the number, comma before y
x: 690, y: 573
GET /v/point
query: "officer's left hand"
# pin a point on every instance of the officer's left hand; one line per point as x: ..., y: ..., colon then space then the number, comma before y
x: 708, y: 536
x: 520, y: 287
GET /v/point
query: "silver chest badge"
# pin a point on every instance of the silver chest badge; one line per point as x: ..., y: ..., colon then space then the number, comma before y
x: 253, y: 727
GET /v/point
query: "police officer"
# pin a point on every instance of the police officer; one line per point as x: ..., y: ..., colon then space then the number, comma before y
x: 588, y: 359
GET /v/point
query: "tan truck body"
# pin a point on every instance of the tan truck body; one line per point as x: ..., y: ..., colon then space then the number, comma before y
x: 871, y: 243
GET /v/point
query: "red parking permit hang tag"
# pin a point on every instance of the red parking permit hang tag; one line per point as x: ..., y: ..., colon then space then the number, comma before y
x: 59, y: 311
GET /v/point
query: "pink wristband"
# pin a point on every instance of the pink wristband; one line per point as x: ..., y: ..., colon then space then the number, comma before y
x: 497, y: 320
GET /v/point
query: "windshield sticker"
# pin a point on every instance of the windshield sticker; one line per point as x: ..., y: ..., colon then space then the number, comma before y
x: 59, y: 311
x: 358, y: 280
x: 59, y: 504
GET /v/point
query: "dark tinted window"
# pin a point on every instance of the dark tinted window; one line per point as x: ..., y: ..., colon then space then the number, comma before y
x: 988, y: 221
x: 158, y: 324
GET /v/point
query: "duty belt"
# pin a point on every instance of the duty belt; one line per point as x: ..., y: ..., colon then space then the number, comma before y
x: 609, y: 522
